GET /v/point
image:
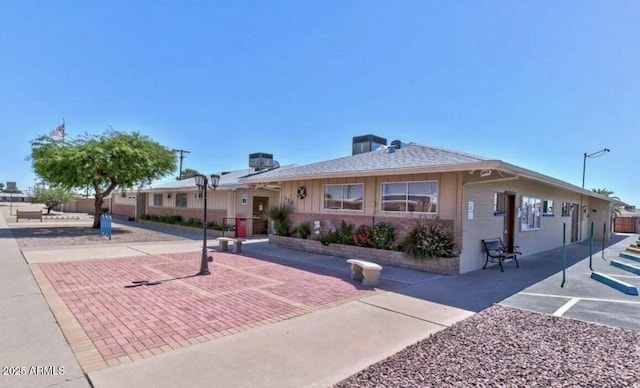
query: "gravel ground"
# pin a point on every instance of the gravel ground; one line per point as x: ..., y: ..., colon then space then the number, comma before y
x: 59, y: 235
x: 64, y: 229
x: 507, y: 347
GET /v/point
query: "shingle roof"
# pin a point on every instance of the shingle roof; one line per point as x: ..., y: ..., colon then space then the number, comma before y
x: 228, y: 179
x: 411, y: 156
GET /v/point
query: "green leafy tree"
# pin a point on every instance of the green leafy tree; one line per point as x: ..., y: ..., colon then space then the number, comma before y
x: 1, y: 187
x: 102, y: 162
x: 189, y: 173
x: 52, y: 197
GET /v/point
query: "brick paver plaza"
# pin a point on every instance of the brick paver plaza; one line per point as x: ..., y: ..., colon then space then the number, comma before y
x: 107, y: 324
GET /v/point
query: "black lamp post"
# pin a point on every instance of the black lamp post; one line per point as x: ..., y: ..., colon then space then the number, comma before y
x: 584, y: 166
x: 203, y: 183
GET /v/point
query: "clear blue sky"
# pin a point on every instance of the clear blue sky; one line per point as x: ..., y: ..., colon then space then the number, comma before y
x: 532, y: 83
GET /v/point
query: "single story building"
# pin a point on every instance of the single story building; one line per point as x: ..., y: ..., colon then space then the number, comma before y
x: 241, y: 205
x: 475, y: 197
x: 14, y: 197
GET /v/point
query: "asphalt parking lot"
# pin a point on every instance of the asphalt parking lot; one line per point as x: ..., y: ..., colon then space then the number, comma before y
x: 585, y: 298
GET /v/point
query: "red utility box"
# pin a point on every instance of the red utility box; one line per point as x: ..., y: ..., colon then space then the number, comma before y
x: 241, y: 227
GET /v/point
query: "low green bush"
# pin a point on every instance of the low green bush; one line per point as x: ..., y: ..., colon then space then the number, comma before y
x: 280, y: 216
x: 304, y: 230
x: 428, y: 241
x: 383, y: 235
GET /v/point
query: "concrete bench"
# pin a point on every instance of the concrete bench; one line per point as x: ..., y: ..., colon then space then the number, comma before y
x: 366, y: 271
x: 29, y: 215
x: 224, y: 243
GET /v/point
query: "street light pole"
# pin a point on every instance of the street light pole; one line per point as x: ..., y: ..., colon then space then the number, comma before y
x: 584, y: 166
x: 203, y: 183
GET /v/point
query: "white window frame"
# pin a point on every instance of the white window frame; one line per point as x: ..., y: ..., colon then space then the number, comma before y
x: 433, y: 197
x: 499, y: 203
x: 161, y: 196
x: 342, y: 185
x: 530, y: 213
x: 186, y: 200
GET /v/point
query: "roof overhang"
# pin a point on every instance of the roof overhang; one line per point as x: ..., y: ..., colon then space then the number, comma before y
x: 492, y: 164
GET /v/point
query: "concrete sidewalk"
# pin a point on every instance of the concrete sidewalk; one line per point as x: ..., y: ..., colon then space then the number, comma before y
x: 316, y: 349
x: 30, y: 338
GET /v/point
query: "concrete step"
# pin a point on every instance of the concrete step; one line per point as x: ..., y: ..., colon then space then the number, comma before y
x: 615, y: 283
x: 627, y: 267
x: 630, y: 256
x: 633, y: 250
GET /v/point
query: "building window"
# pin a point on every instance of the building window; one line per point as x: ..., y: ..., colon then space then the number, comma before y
x: 566, y: 209
x: 499, y: 203
x: 530, y: 213
x: 157, y: 199
x: 547, y: 207
x: 343, y: 197
x: 198, y: 195
x: 181, y: 200
x: 419, y: 197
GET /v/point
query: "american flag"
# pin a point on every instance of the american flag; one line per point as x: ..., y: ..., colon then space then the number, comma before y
x: 58, y: 132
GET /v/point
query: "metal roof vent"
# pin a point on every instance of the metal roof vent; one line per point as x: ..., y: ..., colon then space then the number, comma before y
x: 397, y: 144
x: 261, y: 161
x: 367, y: 143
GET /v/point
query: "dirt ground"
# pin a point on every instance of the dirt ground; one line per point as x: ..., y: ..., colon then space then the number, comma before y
x: 63, y: 229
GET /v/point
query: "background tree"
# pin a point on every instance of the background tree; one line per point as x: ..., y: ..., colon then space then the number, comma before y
x: 1, y: 187
x: 102, y: 162
x: 617, y: 209
x: 52, y: 197
x: 603, y: 191
x: 188, y: 173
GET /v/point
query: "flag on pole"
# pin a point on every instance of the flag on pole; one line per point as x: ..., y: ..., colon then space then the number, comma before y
x: 58, y: 132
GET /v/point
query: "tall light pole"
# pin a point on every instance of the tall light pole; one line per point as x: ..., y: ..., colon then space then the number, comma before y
x: 204, y: 184
x: 584, y: 166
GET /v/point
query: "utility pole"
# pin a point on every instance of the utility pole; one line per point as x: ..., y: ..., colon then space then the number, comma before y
x: 182, y: 152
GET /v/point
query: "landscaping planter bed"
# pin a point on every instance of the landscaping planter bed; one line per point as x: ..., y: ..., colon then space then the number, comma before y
x: 442, y: 266
x: 210, y: 232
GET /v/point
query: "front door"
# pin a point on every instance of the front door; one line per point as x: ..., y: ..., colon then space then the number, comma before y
x: 510, y: 221
x: 260, y: 222
x: 575, y: 221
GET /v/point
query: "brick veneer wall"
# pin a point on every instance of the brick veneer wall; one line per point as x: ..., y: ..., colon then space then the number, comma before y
x: 210, y: 232
x: 214, y: 215
x: 442, y: 266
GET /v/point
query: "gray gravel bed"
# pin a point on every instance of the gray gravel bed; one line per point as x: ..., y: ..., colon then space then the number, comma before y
x: 507, y: 347
x: 84, y: 235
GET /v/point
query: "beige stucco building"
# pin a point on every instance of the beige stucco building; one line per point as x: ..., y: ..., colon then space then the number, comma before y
x: 231, y: 203
x: 477, y: 198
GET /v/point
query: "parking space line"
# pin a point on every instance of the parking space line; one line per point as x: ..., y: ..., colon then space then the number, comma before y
x: 565, y: 307
x: 580, y: 297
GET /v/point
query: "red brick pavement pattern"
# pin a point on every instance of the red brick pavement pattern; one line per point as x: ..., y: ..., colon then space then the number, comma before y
x: 241, y: 292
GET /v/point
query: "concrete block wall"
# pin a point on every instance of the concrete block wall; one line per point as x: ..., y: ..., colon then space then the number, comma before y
x: 442, y: 266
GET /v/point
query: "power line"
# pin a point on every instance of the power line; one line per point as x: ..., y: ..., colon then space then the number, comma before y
x: 182, y: 152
